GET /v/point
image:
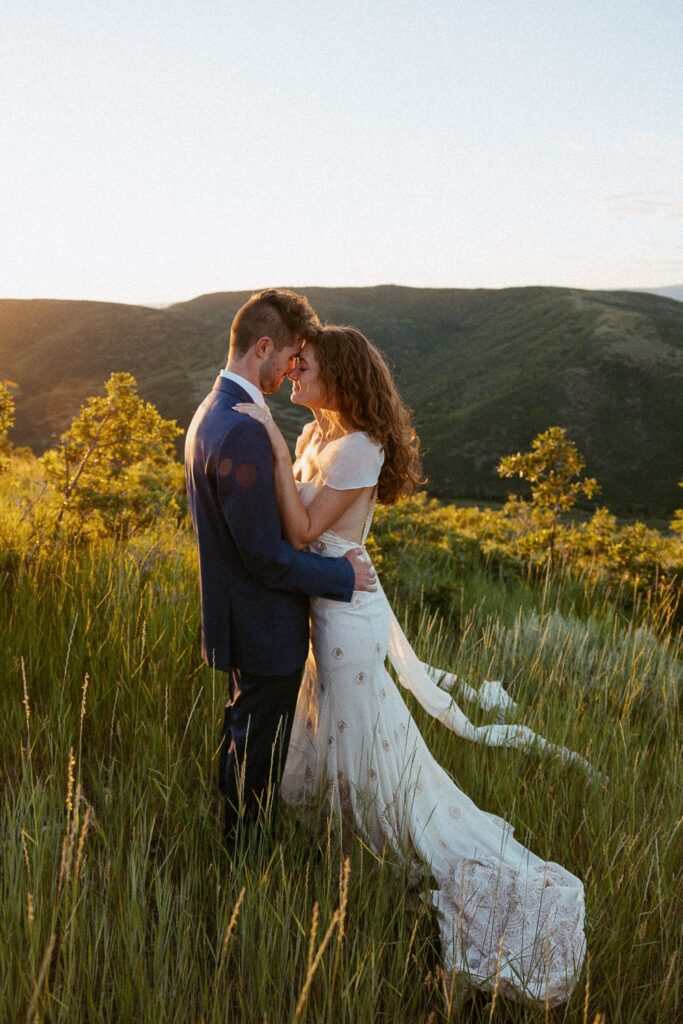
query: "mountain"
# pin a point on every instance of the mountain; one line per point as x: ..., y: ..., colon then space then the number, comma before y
x: 484, y: 370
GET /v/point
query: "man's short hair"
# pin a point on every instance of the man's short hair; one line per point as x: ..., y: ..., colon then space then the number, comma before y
x: 276, y: 313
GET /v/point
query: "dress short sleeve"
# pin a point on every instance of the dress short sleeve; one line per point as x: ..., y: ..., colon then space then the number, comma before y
x: 354, y: 460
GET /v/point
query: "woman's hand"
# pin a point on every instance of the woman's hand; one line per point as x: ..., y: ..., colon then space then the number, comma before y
x: 263, y: 416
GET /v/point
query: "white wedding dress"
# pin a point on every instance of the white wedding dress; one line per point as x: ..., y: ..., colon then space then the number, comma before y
x: 506, y: 917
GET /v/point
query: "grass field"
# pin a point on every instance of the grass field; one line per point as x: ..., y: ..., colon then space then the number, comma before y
x: 118, y: 901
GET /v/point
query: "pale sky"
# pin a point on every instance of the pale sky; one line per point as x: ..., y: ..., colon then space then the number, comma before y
x: 153, y: 150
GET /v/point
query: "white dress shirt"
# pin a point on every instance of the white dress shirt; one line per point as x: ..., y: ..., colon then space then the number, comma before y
x: 250, y: 388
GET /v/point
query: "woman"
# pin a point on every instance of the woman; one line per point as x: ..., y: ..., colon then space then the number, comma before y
x: 506, y: 917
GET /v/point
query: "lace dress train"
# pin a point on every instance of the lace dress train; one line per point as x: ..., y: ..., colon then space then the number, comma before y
x: 506, y: 917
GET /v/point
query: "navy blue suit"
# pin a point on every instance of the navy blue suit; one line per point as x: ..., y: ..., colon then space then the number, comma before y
x: 254, y: 590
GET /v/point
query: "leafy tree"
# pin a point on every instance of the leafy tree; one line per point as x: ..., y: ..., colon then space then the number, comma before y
x: 114, y: 468
x: 6, y: 406
x: 597, y: 537
x: 677, y: 521
x: 552, y: 468
x: 6, y: 419
x: 677, y: 529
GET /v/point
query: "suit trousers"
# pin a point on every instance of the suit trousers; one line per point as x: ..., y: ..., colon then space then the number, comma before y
x: 256, y: 732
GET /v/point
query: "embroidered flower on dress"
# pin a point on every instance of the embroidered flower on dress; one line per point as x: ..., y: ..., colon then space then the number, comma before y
x: 338, y: 653
x: 361, y: 677
x: 342, y: 725
x: 386, y: 745
x: 383, y: 693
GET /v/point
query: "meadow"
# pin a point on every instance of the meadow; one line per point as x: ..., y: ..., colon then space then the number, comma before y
x: 119, y: 901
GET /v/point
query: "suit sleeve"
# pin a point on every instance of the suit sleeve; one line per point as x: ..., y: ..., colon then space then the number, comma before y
x: 246, y: 494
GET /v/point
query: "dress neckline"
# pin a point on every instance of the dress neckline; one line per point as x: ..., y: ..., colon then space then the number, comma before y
x: 316, y: 435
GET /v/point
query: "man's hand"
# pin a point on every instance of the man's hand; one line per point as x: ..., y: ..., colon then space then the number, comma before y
x: 362, y: 569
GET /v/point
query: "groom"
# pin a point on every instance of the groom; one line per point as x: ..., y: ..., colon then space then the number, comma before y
x: 254, y: 585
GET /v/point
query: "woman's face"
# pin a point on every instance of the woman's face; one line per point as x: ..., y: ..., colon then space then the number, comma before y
x: 307, y: 388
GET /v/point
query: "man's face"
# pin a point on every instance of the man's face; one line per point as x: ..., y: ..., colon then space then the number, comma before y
x: 277, y: 365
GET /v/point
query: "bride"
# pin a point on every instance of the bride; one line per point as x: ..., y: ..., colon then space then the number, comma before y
x: 506, y: 917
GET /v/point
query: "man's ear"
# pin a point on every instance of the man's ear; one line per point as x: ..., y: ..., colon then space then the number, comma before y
x: 263, y: 347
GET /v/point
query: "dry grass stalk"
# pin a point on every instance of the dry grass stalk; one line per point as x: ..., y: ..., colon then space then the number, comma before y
x: 27, y: 712
x: 669, y: 974
x: 496, y: 980
x: 84, y: 696
x: 68, y: 649
x: 314, y: 932
x: 30, y: 910
x: 70, y: 784
x: 344, y: 894
x: 315, y: 963
x: 81, y: 840
x: 233, y: 921
x: 32, y: 1015
x: 70, y: 840
x: 25, y: 701
x: 587, y: 990
x: 24, y: 846
x: 344, y: 880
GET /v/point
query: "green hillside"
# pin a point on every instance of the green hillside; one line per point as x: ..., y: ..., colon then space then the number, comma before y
x: 484, y: 370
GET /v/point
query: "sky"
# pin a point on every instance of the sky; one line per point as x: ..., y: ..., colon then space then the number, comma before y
x: 154, y: 150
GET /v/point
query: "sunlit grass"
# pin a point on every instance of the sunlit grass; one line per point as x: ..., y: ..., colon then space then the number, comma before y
x: 119, y: 901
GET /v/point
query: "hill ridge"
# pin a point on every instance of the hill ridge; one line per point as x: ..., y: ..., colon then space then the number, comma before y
x: 484, y: 369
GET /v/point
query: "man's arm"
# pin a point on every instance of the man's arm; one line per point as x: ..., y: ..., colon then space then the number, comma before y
x: 246, y: 494
x: 301, y: 523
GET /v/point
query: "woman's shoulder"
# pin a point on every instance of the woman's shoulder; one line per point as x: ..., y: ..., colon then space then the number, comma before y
x: 304, y: 437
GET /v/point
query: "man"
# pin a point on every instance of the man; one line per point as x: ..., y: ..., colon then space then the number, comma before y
x: 254, y: 585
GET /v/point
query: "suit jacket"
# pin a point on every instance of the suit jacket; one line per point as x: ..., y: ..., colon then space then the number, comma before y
x: 254, y: 584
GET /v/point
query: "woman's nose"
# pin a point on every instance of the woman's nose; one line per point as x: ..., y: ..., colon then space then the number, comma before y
x: 293, y: 374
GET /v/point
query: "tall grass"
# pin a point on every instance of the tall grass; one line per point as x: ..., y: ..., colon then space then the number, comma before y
x: 120, y: 903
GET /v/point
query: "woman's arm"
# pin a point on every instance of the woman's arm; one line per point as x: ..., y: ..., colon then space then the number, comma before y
x: 301, y: 525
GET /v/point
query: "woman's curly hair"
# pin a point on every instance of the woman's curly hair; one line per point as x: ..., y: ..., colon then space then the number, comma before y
x: 355, y: 376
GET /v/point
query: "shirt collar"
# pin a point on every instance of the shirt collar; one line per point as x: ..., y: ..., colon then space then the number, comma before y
x: 250, y: 388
